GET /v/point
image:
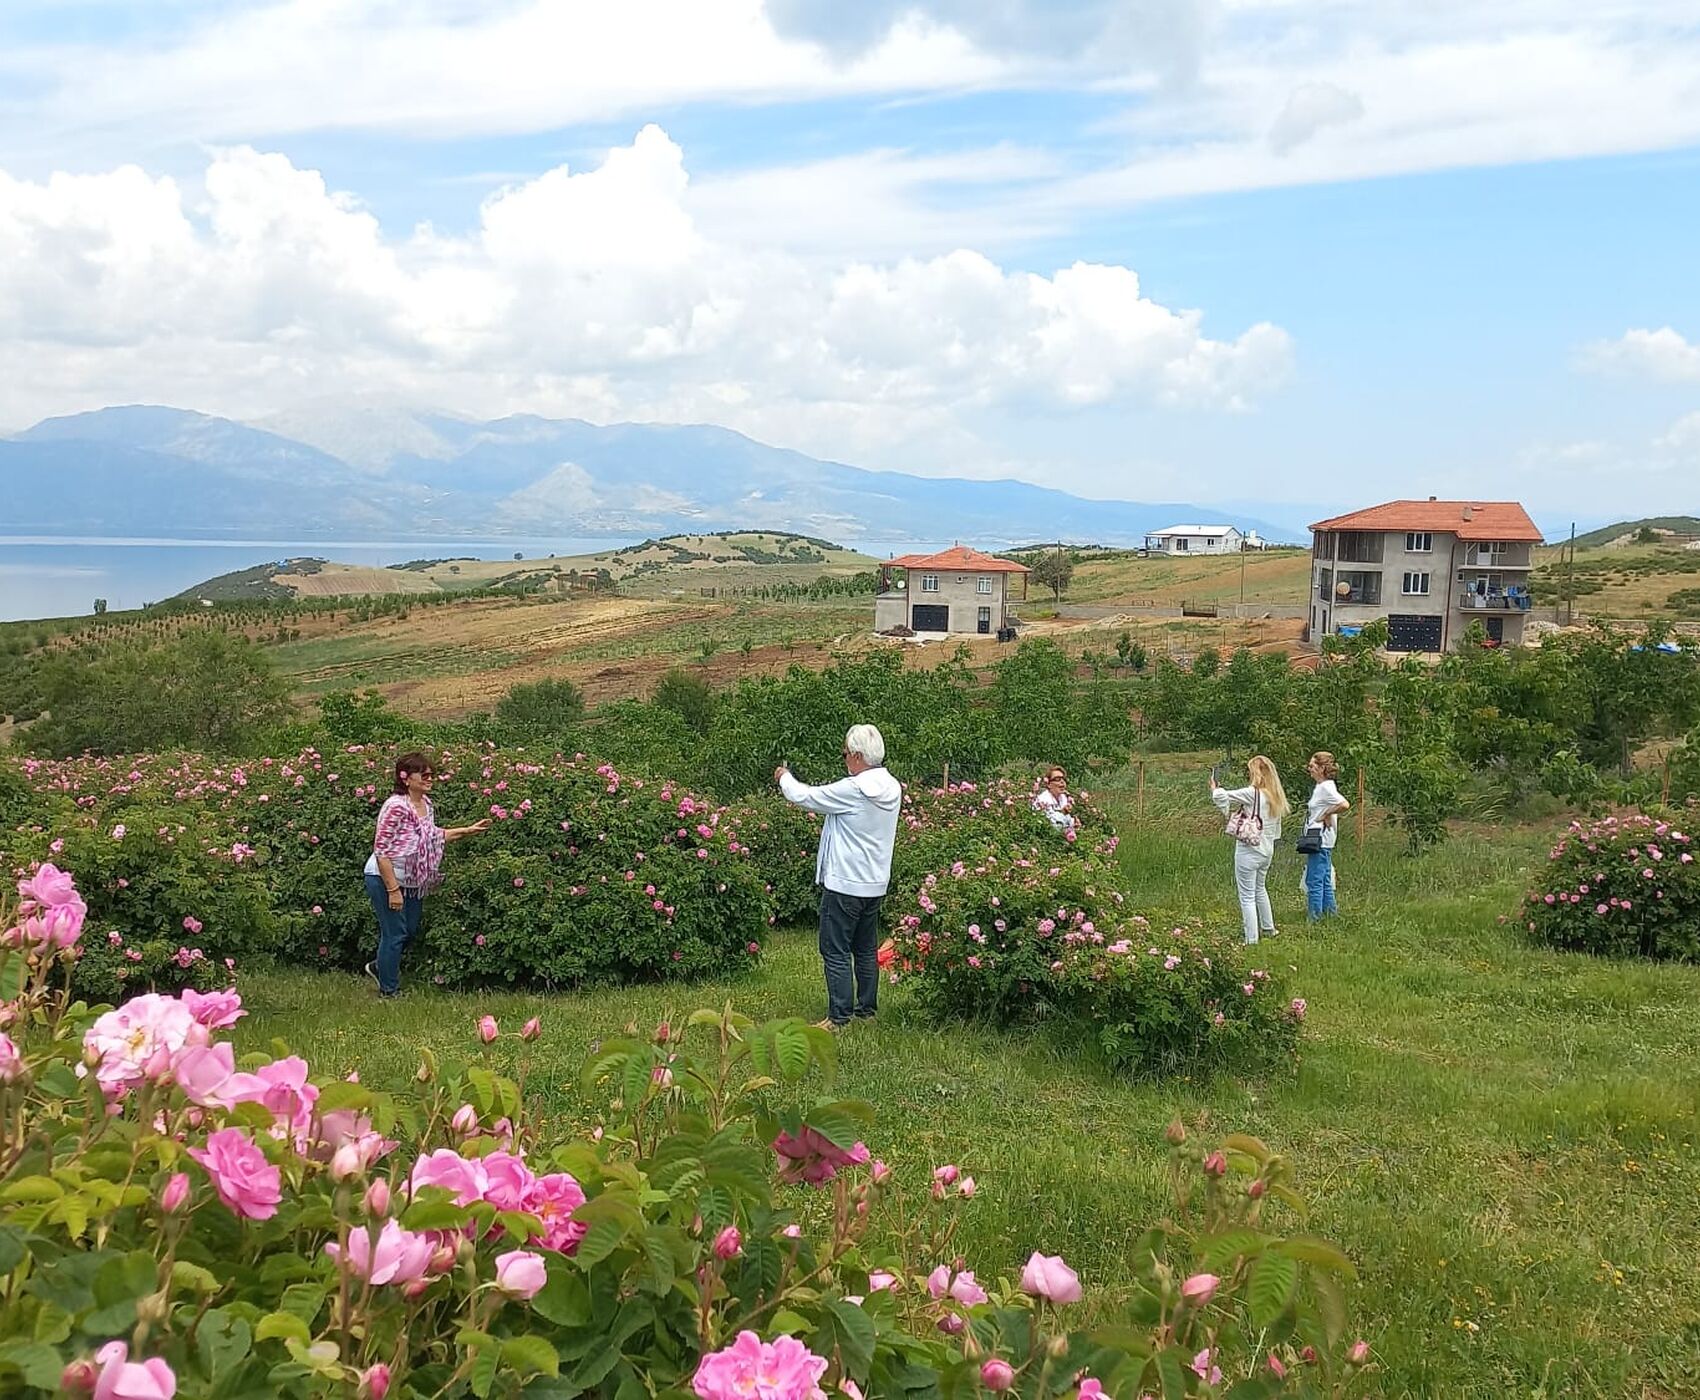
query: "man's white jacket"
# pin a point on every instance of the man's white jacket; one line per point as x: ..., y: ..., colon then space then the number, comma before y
x: 860, y: 829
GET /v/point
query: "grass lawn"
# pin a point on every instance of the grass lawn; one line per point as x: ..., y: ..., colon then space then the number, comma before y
x: 1503, y: 1139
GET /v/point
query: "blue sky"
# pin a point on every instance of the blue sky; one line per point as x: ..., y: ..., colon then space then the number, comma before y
x: 1249, y: 250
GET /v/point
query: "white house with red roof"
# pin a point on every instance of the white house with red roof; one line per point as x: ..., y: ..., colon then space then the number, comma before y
x: 1429, y: 567
x: 955, y: 590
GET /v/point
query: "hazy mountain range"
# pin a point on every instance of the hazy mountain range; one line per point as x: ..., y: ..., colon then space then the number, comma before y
x: 386, y: 473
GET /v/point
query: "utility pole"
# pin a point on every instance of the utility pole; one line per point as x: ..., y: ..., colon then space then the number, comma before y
x: 1570, y: 578
x: 1242, y: 571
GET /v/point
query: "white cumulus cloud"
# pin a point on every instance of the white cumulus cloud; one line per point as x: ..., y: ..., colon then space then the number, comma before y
x: 1665, y: 355
x: 591, y: 292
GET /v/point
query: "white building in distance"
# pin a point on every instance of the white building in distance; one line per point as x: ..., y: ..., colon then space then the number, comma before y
x: 1201, y: 539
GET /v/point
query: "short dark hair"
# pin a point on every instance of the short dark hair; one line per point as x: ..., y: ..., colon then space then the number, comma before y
x: 414, y: 762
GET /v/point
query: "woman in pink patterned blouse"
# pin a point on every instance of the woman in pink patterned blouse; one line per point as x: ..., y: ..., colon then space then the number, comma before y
x: 406, y: 864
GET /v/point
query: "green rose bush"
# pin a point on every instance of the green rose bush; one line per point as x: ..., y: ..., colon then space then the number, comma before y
x: 1620, y: 886
x: 587, y: 875
x: 175, y: 1221
x: 1023, y: 924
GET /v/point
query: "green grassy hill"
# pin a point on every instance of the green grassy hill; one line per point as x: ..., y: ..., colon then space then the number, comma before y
x: 1625, y: 531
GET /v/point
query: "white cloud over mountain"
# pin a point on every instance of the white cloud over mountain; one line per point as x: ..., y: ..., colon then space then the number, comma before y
x: 590, y: 292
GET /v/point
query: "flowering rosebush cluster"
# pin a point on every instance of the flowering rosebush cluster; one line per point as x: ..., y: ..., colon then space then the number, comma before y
x: 175, y: 1222
x: 1623, y: 886
x: 587, y: 874
x: 1022, y: 932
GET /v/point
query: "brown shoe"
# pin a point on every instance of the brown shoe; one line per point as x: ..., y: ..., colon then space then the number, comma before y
x: 828, y: 1025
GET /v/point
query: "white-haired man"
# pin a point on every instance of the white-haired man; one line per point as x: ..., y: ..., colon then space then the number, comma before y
x: 853, y: 869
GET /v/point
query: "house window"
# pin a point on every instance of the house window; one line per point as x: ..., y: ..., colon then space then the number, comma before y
x: 1359, y: 547
x: 1419, y: 542
x: 1416, y: 585
x: 1180, y: 543
x: 1358, y: 587
x: 929, y: 583
x: 982, y: 584
x: 1325, y: 585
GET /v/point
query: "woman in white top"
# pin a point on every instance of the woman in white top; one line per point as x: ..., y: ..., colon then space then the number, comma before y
x: 1266, y: 800
x: 1324, y: 806
x: 1052, y: 800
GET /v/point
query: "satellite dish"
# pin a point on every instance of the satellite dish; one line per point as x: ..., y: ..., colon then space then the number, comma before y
x: 1342, y: 590
x: 901, y: 584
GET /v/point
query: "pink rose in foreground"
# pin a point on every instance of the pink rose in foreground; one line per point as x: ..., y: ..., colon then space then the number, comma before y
x: 880, y: 1280
x: 176, y: 1192
x: 783, y: 1369
x: 810, y: 1156
x: 392, y: 1255
x: 510, y: 1180
x: 465, y: 1120
x: 1047, y: 1277
x: 282, y: 1087
x: 966, y: 1188
x: 962, y: 1287
x: 553, y: 1199
x: 997, y: 1374
x: 215, y: 1010
x: 375, y: 1382
x: 1358, y: 1353
x: 139, y: 1040
x: 123, y: 1379
x: 245, y: 1181
x: 521, y: 1274
x: 202, y: 1072
x: 464, y: 1179
x: 377, y: 1199
x: 728, y: 1244
x: 1091, y: 1389
x: 1205, y: 1369
x: 1200, y: 1289
x: 531, y: 1029
x: 946, y: 1174
x: 49, y: 887
x: 487, y: 1029
x: 11, y: 1062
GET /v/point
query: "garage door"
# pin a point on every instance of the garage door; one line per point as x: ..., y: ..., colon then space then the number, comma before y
x: 1409, y: 633
x: 930, y: 617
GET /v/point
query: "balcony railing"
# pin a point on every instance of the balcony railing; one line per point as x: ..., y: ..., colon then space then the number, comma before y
x: 1495, y: 602
x: 1479, y: 556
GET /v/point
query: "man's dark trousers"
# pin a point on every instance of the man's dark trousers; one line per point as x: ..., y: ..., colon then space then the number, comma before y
x: 849, y: 936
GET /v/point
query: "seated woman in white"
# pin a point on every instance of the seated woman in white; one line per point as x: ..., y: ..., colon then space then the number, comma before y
x: 1053, y: 801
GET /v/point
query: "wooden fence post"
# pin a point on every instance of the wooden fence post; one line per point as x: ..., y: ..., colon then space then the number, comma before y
x: 947, y: 773
x: 1360, y: 813
x: 1142, y: 790
x: 1664, y: 795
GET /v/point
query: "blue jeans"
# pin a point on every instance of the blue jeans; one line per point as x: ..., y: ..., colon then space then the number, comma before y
x: 396, y: 929
x: 1319, y: 884
x: 849, y: 937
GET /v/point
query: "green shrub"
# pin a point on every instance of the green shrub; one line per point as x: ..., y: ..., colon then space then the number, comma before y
x: 1015, y: 934
x: 1623, y: 886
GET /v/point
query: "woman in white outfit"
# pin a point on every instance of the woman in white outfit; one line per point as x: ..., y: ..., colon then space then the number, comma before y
x: 1053, y: 802
x: 1266, y: 800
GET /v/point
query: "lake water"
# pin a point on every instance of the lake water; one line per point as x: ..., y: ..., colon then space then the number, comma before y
x: 42, y: 576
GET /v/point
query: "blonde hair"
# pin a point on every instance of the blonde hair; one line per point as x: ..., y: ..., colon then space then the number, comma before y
x: 1325, y: 761
x: 1268, y: 782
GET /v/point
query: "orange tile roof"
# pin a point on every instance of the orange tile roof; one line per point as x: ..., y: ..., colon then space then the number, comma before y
x: 959, y: 559
x: 1469, y: 520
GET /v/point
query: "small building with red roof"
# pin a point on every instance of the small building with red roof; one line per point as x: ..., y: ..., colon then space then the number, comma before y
x: 1429, y: 567
x: 955, y: 590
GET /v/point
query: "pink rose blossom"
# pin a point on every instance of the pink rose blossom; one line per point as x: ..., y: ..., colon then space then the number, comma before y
x: 123, y: 1379
x: 176, y: 1192
x: 1200, y: 1289
x: 751, y: 1369
x: 11, y: 1062
x: 996, y: 1374
x: 1205, y: 1370
x: 728, y: 1244
x: 1046, y: 1276
x: 392, y: 1255
x: 215, y: 1010
x: 553, y: 1199
x: 375, y: 1382
x: 487, y: 1029
x: 245, y: 1181
x: 521, y: 1274
x: 531, y: 1029
x: 809, y: 1156
x: 464, y: 1179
